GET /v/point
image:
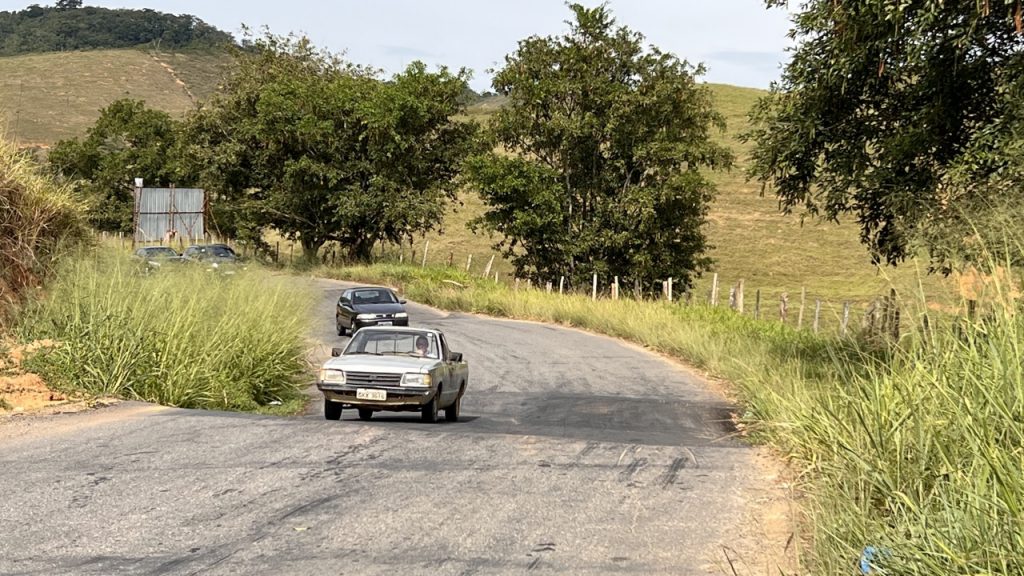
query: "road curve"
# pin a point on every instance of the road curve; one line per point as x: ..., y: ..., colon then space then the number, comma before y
x: 577, y: 455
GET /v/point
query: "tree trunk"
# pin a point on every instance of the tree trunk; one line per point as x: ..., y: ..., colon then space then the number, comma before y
x: 310, y: 249
x: 361, y: 250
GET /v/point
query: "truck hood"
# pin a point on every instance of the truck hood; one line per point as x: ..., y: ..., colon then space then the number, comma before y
x: 381, y: 364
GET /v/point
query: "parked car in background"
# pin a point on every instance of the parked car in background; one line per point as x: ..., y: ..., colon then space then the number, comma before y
x: 369, y: 306
x: 153, y: 257
x: 213, y: 253
x: 395, y: 369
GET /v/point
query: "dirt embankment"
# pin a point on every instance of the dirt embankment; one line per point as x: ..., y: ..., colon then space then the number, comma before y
x: 22, y: 391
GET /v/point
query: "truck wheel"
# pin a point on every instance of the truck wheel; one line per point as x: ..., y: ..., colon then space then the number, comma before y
x: 340, y: 328
x: 429, y: 411
x: 365, y: 413
x: 451, y: 413
x: 332, y: 410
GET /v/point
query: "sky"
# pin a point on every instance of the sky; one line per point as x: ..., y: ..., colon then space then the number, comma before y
x: 740, y: 41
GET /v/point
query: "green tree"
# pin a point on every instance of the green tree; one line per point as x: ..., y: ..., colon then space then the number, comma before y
x: 321, y: 150
x: 600, y: 156
x: 128, y: 141
x: 893, y: 113
x: 68, y: 4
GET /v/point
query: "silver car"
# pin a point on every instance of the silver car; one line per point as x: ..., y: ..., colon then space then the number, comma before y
x: 394, y: 369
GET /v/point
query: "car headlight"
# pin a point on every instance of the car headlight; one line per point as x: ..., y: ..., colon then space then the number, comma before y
x: 366, y: 316
x: 329, y: 376
x: 402, y: 315
x: 413, y: 379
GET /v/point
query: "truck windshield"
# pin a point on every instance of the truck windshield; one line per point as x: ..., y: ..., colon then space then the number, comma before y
x: 393, y: 342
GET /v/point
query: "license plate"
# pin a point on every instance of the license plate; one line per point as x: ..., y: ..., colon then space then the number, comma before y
x: 371, y: 394
x: 384, y: 323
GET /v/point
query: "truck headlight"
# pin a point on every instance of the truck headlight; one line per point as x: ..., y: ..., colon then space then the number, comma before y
x: 329, y: 376
x: 401, y: 315
x: 366, y: 316
x: 412, y: 379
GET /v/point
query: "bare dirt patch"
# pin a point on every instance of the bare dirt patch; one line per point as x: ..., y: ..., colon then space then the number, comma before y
x: 22, y: 391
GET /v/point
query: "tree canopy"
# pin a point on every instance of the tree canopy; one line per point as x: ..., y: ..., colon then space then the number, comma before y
x: 322, y: 150
x: 600, y: 158
x: 69, y: 26
x: 900, y: 114
x: 128, y: 141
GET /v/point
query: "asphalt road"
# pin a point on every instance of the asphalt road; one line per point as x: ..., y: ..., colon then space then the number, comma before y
x: 576, y: 455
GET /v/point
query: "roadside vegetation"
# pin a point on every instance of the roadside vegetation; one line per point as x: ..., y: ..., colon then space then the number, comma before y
x: 184, y: 337
x: 38, y: 219
x: 913, y: 449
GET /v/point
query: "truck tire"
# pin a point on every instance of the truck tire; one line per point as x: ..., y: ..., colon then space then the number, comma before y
x: 451, y: 413
x: 332, y: 410
x: 428, y: 413
x: 365, y: 413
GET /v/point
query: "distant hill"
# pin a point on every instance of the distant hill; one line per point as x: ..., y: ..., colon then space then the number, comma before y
x: 70, y: 27
x: 48, y: 97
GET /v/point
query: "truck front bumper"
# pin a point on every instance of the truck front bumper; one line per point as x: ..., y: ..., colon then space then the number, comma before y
x: 398, y: 397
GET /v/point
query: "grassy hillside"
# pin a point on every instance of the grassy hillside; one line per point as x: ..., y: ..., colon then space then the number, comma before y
x: 753, y: 242
x: 49, y: 97
x: 46, y: 97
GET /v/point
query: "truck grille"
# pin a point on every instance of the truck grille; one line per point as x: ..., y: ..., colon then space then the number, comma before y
x: 372, y: 379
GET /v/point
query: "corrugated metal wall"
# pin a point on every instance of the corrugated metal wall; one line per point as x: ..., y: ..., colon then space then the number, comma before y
x: 160, y: 210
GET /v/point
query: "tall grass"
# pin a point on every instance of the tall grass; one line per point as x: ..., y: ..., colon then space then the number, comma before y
x: 183, y: 336
x: 916, y: 451
x: 38, y: 218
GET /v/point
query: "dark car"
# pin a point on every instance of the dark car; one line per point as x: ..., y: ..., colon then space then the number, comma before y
x: 153, y: 257
x: 214, y: 253
x: 369, y: 306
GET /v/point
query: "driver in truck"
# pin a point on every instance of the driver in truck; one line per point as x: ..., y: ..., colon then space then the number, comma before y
x: 422, y: 346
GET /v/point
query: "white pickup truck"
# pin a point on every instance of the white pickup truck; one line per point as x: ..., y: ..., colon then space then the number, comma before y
x: 395, y: 369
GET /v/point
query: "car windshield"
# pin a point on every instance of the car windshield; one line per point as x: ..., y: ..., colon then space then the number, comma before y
x: 221, y: 251
x: 159, y: 252
x: 393, y: 343
x: 376, y: 296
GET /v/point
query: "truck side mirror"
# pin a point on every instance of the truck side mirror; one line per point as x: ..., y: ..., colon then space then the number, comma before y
x: 335, y: 352
x: 455, y: 356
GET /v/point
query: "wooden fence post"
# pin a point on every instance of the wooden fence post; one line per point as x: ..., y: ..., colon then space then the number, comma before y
x: 757, y: 304
x: 549, y: 287
x: 615, y: 289
x: 817, y: 313
x: 469, y: 262
x: 783, y: 307
x: 426, y: 246
x: 739, y: 296
x: 487, y: 270
x: 664, y: 289
x: 669, y: 288
x: 529, y: 283
x: 495, y: 277
x: 800, y: 314
x: 517, y: 284
x: 561, y: 284
x: 846, y: 319
x: 732, y: 298
x: 714, y: 289
x: 593, y: 294
x: 451, y: 259
x: 277, y: 252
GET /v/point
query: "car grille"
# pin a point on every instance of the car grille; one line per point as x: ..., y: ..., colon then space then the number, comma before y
x: 372, y: 379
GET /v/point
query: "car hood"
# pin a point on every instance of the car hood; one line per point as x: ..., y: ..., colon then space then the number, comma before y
x: 380, y: 364
x: 378, y: 308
